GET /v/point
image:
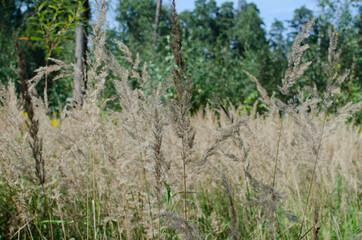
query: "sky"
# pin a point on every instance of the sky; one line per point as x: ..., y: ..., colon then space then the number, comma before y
x: 269, y: 9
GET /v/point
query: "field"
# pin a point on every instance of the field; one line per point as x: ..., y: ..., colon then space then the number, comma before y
x: 154, y: 171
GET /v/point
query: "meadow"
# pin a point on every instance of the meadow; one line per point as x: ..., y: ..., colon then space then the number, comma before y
x: 154, y: 171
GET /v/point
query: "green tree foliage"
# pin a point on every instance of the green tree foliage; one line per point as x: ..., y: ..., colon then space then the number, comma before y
x: 249, y: 33
x: 251, y: 44
x: 278, y: 48
x: 136, y: 20
x: 12, y: 20
x: 54, y: 22
x: 44, y: 29
x: 219, y: 41
x: 339, y: 14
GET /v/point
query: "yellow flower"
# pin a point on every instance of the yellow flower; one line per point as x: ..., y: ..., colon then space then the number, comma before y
x: 54, y: 122
x: 199, y: 90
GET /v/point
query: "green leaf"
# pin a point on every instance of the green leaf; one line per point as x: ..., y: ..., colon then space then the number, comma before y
x: 40, y: 31
x: 53, y: 7
x: 41, y: 6
x: 37, y: 39
x: 53, y: 221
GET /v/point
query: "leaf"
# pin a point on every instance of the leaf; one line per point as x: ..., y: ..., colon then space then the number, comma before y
x: 42, y: 18
x: 168, y: 192
x: 54, y: 221
x: 40, y: 31
x: 57, y: 24
x: 36, y: 39
x: 53, y: 7
x: 41, y: 6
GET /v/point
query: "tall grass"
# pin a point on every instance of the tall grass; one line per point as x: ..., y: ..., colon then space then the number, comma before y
x: 153, y: 171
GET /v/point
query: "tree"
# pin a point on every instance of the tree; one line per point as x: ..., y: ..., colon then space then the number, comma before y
x: 248, y: 31
x: 249, y: 42
x: 157, y: 21
x: 346, y: 17
x: 136, y: 31
x: 225, y: 21
x: 276, y: 34
x: 81, y: 42
x: 278, y: 48
x: 12, y: 21
x: 54, y: 22
x: 300, y: 18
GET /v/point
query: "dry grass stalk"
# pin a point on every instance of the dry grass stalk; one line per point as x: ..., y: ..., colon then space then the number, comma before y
x: 159, y: 161
x: 333, y: 83
x: 295, y: 67
x: 180, y: 106
x: 33, y: 124
x: 181, y: 226
x: 232, y: 210
x: 316, y: 215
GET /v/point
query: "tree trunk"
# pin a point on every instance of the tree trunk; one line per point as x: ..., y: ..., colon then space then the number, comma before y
x: 81, y: 41
x: 157, y: 21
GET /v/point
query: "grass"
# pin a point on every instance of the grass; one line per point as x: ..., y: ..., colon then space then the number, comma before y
x: 153, y: 171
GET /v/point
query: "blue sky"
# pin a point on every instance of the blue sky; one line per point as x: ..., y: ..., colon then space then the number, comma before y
x: 269, y: 9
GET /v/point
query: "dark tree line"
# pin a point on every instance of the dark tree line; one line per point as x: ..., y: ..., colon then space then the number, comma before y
x: 219, y: 42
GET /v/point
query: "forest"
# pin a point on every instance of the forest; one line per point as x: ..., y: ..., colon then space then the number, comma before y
x: 198, y: 124
x: 218, y: 43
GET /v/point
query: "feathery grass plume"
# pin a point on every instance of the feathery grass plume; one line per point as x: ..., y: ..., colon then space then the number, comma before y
x: 180, y: 106
x: 182, y: 226
x: 10, y: 107
x: 13, y: 163
x: 151, y: 111
x: 35, y: 115
x: 334, y: 81
x: 33, y: 123
x: 235, y: 133
x: 265, y: 97
x: 81, y: 133
x: 140, y: 109
x: 159, y: 161
x: 144, y: 109
x: 224, y: 134
x: 96, y: 77
x: 334, y: 78
x: 232, y: 210
x: 296, y: 67
x: 268, y: 200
